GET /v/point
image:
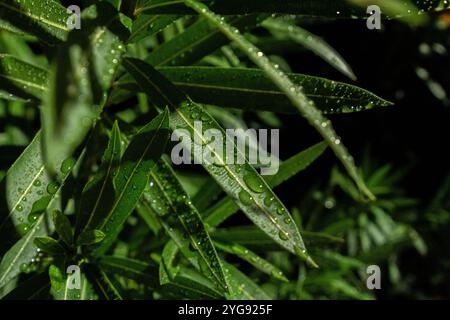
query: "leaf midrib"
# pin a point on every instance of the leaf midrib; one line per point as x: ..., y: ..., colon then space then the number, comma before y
x: 24, y: 82
x: 162, y: 4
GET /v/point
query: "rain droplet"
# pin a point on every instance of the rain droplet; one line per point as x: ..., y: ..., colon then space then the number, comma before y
x: 269, y: 200
x: 253, y: 183
x: 23, y: 228
x: 52, y: 187
x: 245, y: 198
x: 67, y: 165
x: 283, y: 235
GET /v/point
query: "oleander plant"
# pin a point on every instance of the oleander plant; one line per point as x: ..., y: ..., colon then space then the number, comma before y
x: 94, y: 207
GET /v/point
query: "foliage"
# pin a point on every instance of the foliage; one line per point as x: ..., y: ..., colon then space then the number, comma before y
x: 86, y: 181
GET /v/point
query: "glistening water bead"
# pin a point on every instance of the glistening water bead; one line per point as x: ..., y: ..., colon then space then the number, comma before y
x: 52, y: 187
x: 67, y: 165
x: 245, y: 198
x: 254, y: 183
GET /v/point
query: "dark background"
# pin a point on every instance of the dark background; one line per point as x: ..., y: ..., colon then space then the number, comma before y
x: 412, y: 136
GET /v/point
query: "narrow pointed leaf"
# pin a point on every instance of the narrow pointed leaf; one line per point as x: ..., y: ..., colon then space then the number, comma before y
x: 45, y: 19
x: 105, y: 285
x: 22, y: 79
x: 35, y: 288
x: 254, y: 239
x: 65, y: 286
x: 311, y: 8
x: 196, y: 42
x: 82, y: 71
x: 148, y: 25
x: 90, y: 237
x: 49, y: 245
x: 242, y: 183
x: 21, y: 254
x: 241, y: 286
x: 167, y: 266
x: 63, y: 227
x: 133, y: 269
x: 189, y: 284
x: 250, y: 89
x: 98, y: 194
x: 132, y: 177
x: 169, y: 200
x: 311, y: 42
x: 252, y: 258
x: 27, y: 180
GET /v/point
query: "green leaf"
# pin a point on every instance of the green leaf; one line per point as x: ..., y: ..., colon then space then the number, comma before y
x: 197, y: 41
x: 98, y: 194
x: 45, y: 19
x: 253, y: 238
x: 132, y: 177
x: 20, y: 255
x: 189, y: 284
x: 287, y: 28
x: 106, y: 286
x: 250, y: 89
x: 35, y: 288
x: 139, y: 271
x: 19, y: 47
x: 241, y: 182
x: 223, y: 209
x: 242, y: 287
x: 148, y: 25
x: 296, y: 164
x: 22, y: 79
x: 252, y: 258
x: 207, y: 195
x: 167, y: 268
x: 295, y: 93
x: 90, y: 237
x: 63, y: 227
x: 82, y: 71
x: 311, y: 8
x: 67, y: 284
x: 181, y: 219
x: 49, y: 245
x: 26, y: 187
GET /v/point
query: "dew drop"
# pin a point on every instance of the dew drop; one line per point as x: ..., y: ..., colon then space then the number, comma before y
x: 23, y: 229
x: 32, y: 217
x: 253, y: 183
x: 67, y: 165
x: 245, y: 198
x: 269, y: 200
x: 23, y: 267
x: 281, y: 211
x: 283, y: 235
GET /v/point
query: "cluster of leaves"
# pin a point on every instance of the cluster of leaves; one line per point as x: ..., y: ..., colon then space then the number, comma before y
x: 93, y: 188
